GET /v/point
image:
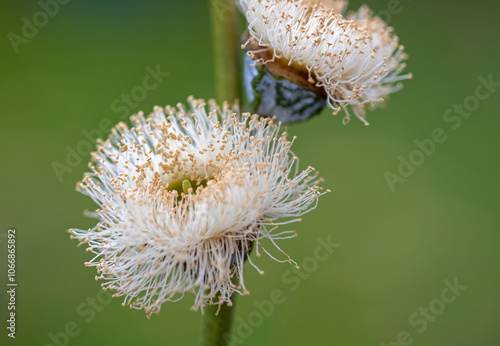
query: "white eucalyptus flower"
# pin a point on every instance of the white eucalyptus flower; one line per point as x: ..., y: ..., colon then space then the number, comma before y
x: 184, y: 195
x: 355, y: 60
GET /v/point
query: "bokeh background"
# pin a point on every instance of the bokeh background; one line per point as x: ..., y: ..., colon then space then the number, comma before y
x: 396, y: 247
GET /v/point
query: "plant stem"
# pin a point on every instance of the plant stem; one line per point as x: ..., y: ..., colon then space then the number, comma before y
x: 216, y: 329
x: 226, y: 48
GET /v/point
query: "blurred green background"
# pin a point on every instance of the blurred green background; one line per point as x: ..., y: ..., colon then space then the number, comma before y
x: 396, y: 247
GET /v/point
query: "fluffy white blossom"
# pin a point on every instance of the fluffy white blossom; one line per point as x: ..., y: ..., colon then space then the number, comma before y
x: 356, y: 59
x: 183, y: 196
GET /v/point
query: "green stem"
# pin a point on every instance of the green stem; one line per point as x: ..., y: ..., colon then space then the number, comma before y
x: 217, y: 326
x: 216, y: 330
x: 226, y: 49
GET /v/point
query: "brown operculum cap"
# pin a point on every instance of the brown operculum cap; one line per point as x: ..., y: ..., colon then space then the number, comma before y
x: 280, y: 67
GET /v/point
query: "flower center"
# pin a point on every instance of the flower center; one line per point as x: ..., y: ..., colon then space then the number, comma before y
x: 187, y: 186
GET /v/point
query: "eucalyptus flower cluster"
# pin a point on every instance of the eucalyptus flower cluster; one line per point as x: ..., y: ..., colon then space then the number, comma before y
x: 186, y: 194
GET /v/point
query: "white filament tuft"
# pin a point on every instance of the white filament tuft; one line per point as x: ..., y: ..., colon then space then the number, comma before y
x: 183, y: 195
x: 357, y: 60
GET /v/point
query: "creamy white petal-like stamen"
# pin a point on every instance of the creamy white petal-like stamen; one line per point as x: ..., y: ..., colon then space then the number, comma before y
x: 183, y: 195
x: 357, y: 60
x: 338, y: 6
